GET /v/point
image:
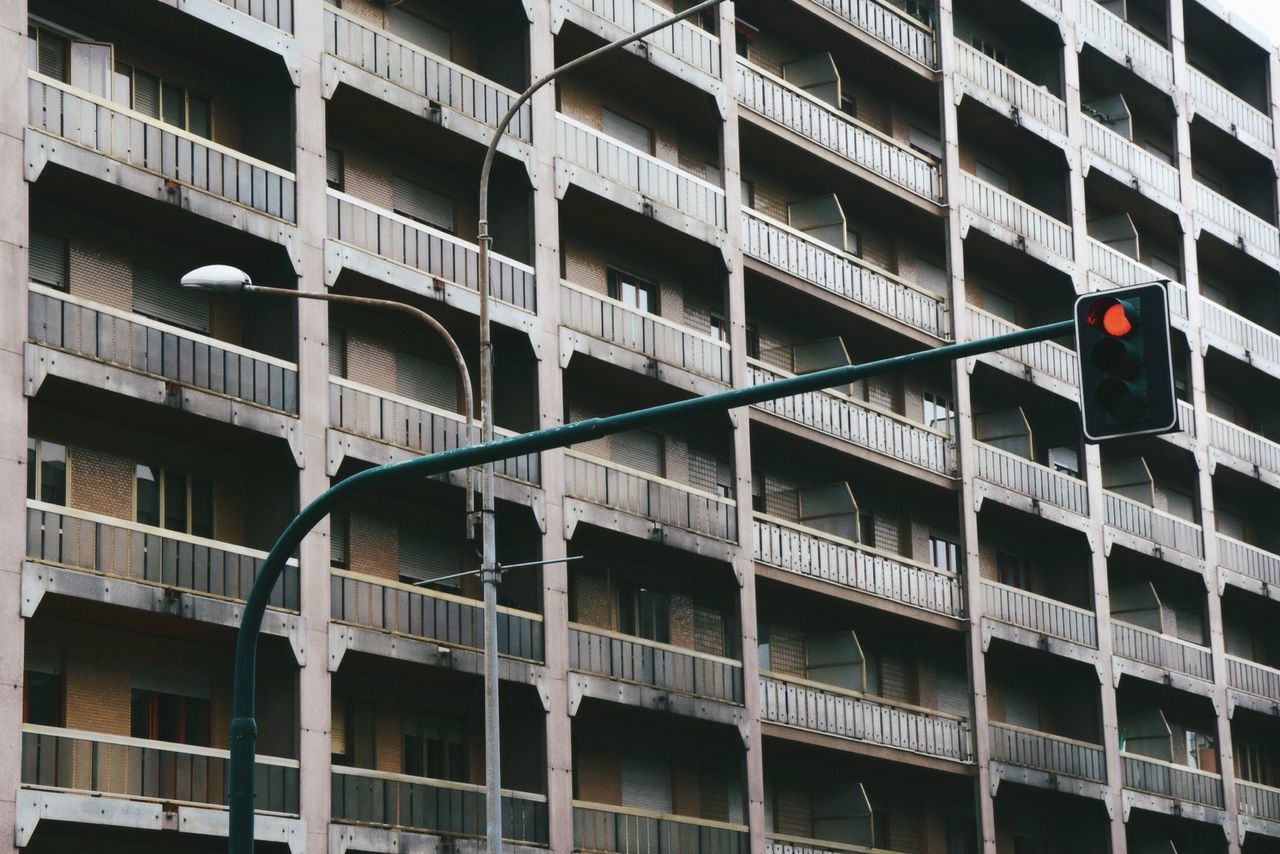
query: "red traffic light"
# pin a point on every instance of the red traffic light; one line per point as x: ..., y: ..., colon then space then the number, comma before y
x: 1115, y: 317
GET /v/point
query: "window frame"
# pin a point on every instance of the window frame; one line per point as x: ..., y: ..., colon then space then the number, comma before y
x: 162, y: 83
x: 618, y: 278
x: 35, y: 475
x: 184, y: 702
x: 162, y: 485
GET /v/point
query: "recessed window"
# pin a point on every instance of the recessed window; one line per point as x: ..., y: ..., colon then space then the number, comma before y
x: 435, y: 746
x: 334, y: 168
x: 1013, y: 571
x: 163, y: 716
x: 633, y: 291
x: 162, y: 99
x: 627, y: 131
x: 46, y: 471
x: 944, y: 553
x: 644, y: 612
x: 939, y: 413
x: 174, y: 501
x: 421, y: 204
x: 48, y: 260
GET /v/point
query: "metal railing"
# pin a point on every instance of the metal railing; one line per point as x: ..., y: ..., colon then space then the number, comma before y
x: 1009, y: 212
x: 1157, y: 777
x: 815, y: 554
x: 860, y: 423
x: 413, y: 67
x: 1187, y: 418
x: 1144, y: 166
x: 815, y: 119
x: 607, y: 829
x: 1126, y: 44
x: 1039, y: 614
x: 1251, y: 561
x: 415, y: 426
x: 684, y: 40
x: 910, y: 37
x: 169, y: 353
x: 1260, y: 343
x: 1257, y: 800
x: 1053, y: 360
x: 637, y: 660
x: 427, y: 250
x: 1161, y: 528
x: 780, y: 843
x: 1157, y: 650
x: 277, y: 13
x: 1244, y: 445
x: 402, y: 609
x: 101, y: 544
x: 1119, y: 269
x: 834, y: 711
x: 797, y: 254
x: 439, y: 806
x: 647, y: 495
x: 1253, y: 678
x: 660, y: 339
x: 142, y: 768
x: 1000, y: 81
x: 1025, y: 477
x: 168, y: 151
x: 639, y: 171
x: 1054, y: 754
x: 1237, y: 222
x: 1230, y: 111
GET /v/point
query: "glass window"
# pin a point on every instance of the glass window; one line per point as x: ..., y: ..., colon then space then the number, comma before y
x: 170, y: 717
x: 42, y: 698
x: 435, y: 746
x: 633, y: 291
x: 644, y: 613
x: 175, y: 501
x: 46, y: 471
x: 939, y: 413
x: 944, y: 554
x: 1013, y: 571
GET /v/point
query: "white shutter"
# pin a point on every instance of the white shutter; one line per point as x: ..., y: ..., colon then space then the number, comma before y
x: 417, y: 202
x: 953, y: 692
x: 422, y: 33
x: 91, y: 67
x: 426, y: 551
x: 159, y: 295
x: 182, y: 681
x: 640, y: 450
x: 646, y: 783
x: 48, y: 260
x: 427, y: 381
x: 626, y: 131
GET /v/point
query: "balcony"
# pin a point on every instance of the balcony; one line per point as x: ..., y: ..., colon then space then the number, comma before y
x: 607, y: 829
x: 1244, y: 451
x: 1044, y: 363
x: 825, y: 709
x: 112, y: 780
x: 1161, y: 658
x: 1011, y: 220
x: 100, y: 139
x: 980, y: 77
x: 98, y: 558
x: 386, y: 800
x: 367, y: 57
x: 1153, y: 532
x: 84, y: 342
x: 780, y: 247
x: 1249, y: 567
x: 1164, y: 780
x: 816, y: 555
x: 1108, y: 268
x: 1048, y: 761
x: 1124, y: 44
x: 265, y: 23
x: 813, y: 119
x: 1258, y: 802
x: 1260, y: 684
x: 898, y: 31
x: 645, y: 673
x: 1044, y: 618
x: 1231, y: 113
x: 375, y: 242
x: 638, y: 181
x: 1240, y: 337
x: 1235, y: 225
x: 683, y: 49
x: 658, y: 507
x: 384, y: 617
x: 1029, y: 486
x: 652, y: 345
x: 858, y: 423
x: 1130, y: 164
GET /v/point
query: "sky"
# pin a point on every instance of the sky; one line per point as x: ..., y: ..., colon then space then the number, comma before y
x: 1263, y: 14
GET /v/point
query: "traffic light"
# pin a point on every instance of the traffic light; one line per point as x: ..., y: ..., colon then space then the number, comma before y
x: 1126, y: 368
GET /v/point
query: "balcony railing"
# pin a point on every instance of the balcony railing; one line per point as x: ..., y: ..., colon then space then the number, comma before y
x: 431, y: 615
x: 660, y: 339
x: 277, y: 13
x: 910, y: 37
x: 1229, y: 110
x: 834, y: 711
x: 1237, y: 224
x: 427, y: 250
x: 684, y: 40
x: 1157, y: 650
x: 1244, y: 445
x: 781, y: 843
x: 1258, y: 342
x: 1157, y: 777
x: 1253, y: 678
x: 1186, y: 418
x: 1251, y: 561
x: 1149, y: 170
x: 816, y: 554
x: 1161, y: 528
x: 1039, y: 614
x: 1001, y: 82
x: 415, y: 426
x: 815, y: 119
x: 1124, y: 43
x: 438, y: 806
x: 1020, y: 475
x: 147, y: 346
x: 607, y: 829
x: 1046, y: 357
x: 655, y: 665
x: 797, y: 254
x: 1261, y: 801
x: 1053, y: 754
x: 141, y: 768
x: 859, y: 423
x: 1119, y: 269
x: 647, y: 495
x: 639, y: 172
x: 147, y: 143
x: 114, y: 547
x: 1026, y: 221
x: 414, y: 68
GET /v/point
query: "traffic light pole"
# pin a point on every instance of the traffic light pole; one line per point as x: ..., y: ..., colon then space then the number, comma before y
x: 244, y: 727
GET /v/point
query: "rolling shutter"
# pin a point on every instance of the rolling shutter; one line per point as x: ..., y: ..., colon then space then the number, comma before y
x: 338, y: 727
x: 339, y: 522
x: 181, y: 681
x: 48, y: 260
x: 333, y: 168
x: 646, y: 783
x: 626, y: 131
x: 422, y: 33
x: 1021, y: 709
x: 146, y: 93
x: 159, y: 295
x: 42, y: 659
x: 417, y: 202
x: 426, y: 552
x: 337, y: 352
x: 953, y: 692
x: 430, y: 382
x: 640, y: 450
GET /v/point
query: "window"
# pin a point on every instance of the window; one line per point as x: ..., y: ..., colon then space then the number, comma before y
x: 939, y: 413
x: 339, y: 539
x: 156, y: 294
x: 170, y: 717
x: 428, y: 552
x: 48, y: 260
x: 46, y: 471
x: 626, y: 131
x: 422, y: 205
x: 1013, y: 571
x: 644, y: 613
x: 47, y: 52
x: 334, y: 168
x: 175, y: 501
x: 633, y: 291
x: 944, y: 553
x: 1253, y: 762
x: 434, y: 746
x: 162, y: 99
x: 1200, y: 752
x: 353, y: 740
x: 42, y: 687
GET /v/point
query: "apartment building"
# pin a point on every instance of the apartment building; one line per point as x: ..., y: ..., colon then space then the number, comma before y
x: 915, y: 614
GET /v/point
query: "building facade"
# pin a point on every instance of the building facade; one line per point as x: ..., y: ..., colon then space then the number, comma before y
x: 915, y: 614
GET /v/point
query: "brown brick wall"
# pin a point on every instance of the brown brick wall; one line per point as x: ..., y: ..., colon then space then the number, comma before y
x: 592, y: 602
x: 101, y: 482
x: 682, y: 633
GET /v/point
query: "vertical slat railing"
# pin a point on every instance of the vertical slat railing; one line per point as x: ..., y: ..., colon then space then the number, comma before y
x: 1148, y: 169
x: 1123, y: 42
x: 1008, y: 211
x: 1237, y: 224
x: 1161, y: 528
x: 1047, y: 357
x: 1040, y: 751
x: 911, y: 37
x: 1157, y: 650
x: 1039, y: 614
x: 1020, y: 94
x: 1157, y: 777
x: 685, y: 40
x: 1228, y: 110
x: 1025, y: 477
x: 654, y: 665
x: 1116, y: 268
x: 608, y: 829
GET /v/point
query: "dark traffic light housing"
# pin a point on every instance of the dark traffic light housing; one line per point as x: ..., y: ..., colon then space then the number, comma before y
x: 1126, y: 365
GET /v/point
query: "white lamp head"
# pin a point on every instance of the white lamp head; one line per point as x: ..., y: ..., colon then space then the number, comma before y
x: 219, y: 278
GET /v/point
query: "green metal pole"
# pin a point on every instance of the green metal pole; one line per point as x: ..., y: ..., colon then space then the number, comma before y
x: 244, y: 727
